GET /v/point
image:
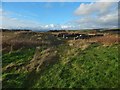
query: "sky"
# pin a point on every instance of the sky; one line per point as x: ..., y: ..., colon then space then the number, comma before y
x: 59, y: 15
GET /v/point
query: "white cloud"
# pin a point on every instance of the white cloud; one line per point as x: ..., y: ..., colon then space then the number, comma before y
x: 91, y: 8
x: 97, y: 15
x: 52, y: 25
x: 107, y: 21
x: 9, y: 22
x: 14, y: 23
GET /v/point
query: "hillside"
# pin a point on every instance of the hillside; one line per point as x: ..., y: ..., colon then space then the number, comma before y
x: 45, y: 60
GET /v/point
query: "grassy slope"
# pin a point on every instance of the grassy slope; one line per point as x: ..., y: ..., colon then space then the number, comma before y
x: 13, y: 78
x: 95, y: 66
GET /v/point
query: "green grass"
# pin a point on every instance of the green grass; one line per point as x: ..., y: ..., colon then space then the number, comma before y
x: 19, y: 56
x: 14, y: 79
x: 96, y: 66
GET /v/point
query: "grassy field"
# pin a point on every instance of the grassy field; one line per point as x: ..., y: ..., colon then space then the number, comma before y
x: 96, y: 66
x: 49, y: 62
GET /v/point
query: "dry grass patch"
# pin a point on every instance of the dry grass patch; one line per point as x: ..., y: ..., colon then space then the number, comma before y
x: 106, y: 40
x: 81, y: 43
